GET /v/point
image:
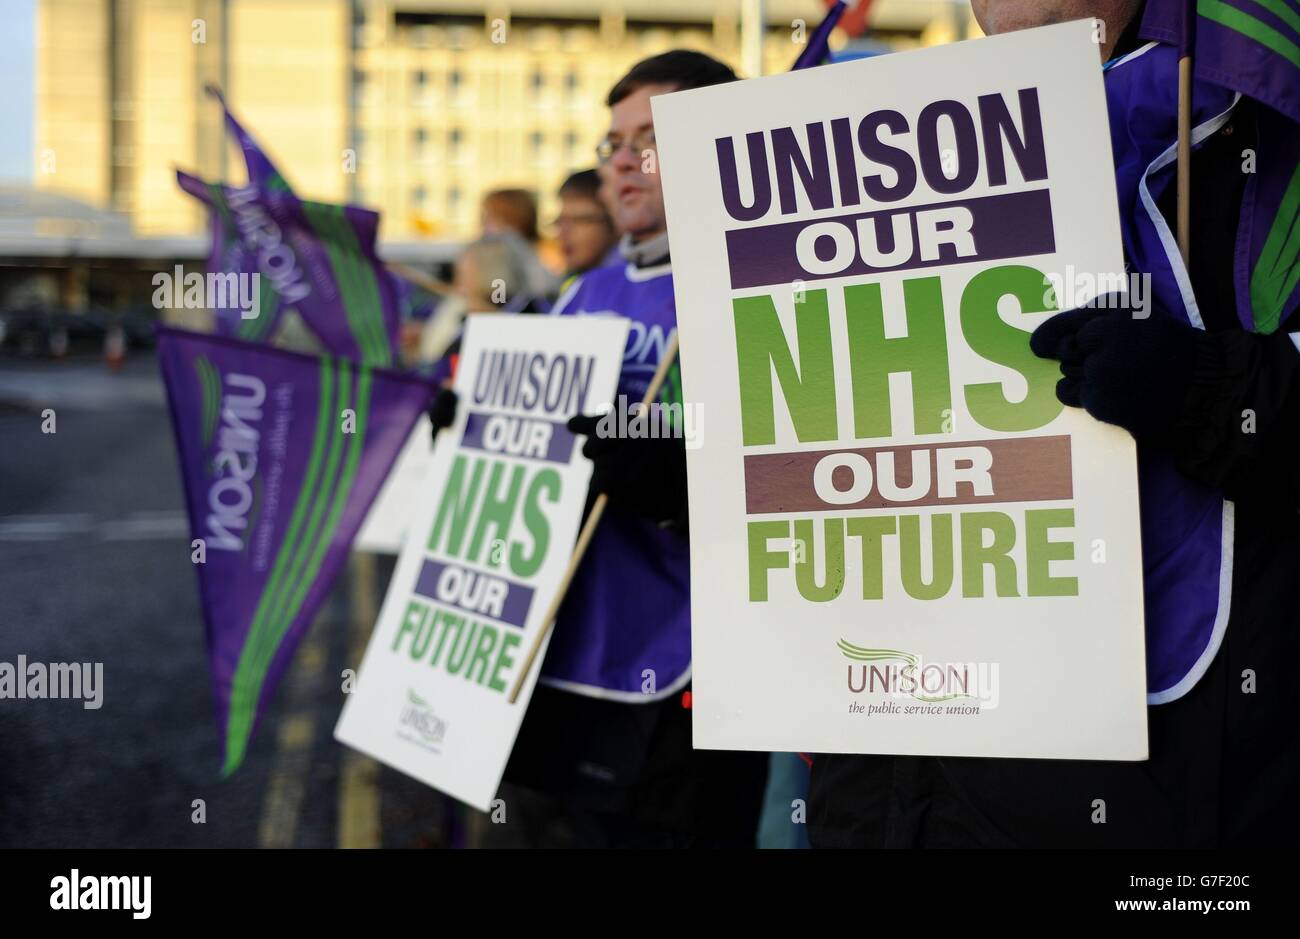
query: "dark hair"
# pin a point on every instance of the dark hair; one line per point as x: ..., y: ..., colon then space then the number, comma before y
x: 584, y: 184
x: 680, y: 67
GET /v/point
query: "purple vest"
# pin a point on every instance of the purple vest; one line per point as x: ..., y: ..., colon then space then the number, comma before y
x: 1187, y: 528
x: 625, y: 626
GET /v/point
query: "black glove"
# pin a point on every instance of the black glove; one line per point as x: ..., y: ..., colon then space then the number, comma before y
x: 646, y: 475
x: 442, y: 412
x: 1125, y: 370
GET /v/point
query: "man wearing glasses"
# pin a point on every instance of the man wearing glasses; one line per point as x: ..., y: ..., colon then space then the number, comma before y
x: 608, y: 730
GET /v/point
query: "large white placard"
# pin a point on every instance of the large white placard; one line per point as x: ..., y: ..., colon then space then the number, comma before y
x: 901, y: 541
x: 488, y: 543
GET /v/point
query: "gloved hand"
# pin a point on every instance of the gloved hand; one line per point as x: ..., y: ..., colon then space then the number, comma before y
x: 442, y: 412
x: 1134, y: 372
x: 646, y: 475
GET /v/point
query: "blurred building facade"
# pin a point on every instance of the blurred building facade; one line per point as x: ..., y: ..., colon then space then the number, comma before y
x: 411, y: 107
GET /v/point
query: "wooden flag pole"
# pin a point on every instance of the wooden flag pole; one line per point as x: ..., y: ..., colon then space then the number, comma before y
x: 588, y: 529
x: 420, y: 279
x: 1185, y: 158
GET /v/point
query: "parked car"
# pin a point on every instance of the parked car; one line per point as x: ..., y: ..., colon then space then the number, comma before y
x: 45, y: 333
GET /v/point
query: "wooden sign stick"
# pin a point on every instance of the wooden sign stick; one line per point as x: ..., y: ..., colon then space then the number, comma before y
x: 420, y: 279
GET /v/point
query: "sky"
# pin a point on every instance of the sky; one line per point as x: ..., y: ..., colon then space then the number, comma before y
x: 17, y: 89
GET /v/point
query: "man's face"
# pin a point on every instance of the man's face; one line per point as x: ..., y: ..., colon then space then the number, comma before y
x: 637, y: 197
x: 1006, y: 16
x: 584, y: 232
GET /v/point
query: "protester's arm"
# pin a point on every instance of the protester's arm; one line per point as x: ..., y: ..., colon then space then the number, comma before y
x: 644, y: 475
x: 1226, y: 405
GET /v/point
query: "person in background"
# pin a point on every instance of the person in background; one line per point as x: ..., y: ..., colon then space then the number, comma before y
x: 490, y: 275
x: 606, y: 740
x: 609, y: 732
x: 512, y: 214
x: 586, y: 232
x: 509, y: 210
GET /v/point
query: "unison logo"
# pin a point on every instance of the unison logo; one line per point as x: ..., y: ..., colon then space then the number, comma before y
x: 231, y: 407
x: 905, y: 675
x: 419, y: 717
x: 274, y: 256
x: 75, y: 892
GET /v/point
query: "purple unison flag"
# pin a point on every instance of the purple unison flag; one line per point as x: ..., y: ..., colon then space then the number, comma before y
x: 1172, y: 22
x: 261, y: 171
x: 243, y: 245
x: 281, y: 455
x: 818, y: 48
x: 313, y: 257
x: 1250, y: 46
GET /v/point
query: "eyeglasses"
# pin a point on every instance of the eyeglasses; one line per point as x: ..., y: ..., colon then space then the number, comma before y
x: 641, y: 141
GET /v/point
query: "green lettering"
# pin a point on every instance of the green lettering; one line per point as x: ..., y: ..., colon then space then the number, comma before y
x: 1039, y: 552
x: 504, y: 661
x: 409, y: 625
x: 805, y: 570
x: 808, y: 387
x: 536, y: 522
x: 940, y: 554
x: 994, y: 339
x: 449, y: 621
x: 872, y: 529
x: 922, y: 354
x: 975, y: 554
x: 456, y: 505
x: 461, y: 645
x: 496, y: 513
x: 762, y: 560
x: 487, y: 640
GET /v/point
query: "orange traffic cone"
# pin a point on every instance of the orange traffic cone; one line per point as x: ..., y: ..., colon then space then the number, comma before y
x: 115, y: 347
